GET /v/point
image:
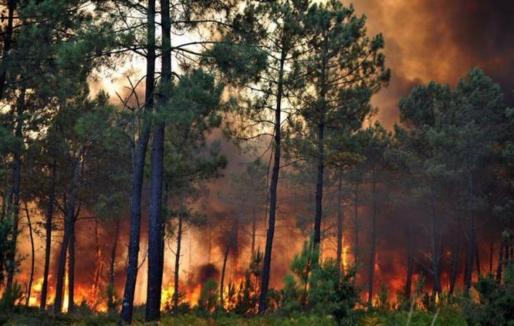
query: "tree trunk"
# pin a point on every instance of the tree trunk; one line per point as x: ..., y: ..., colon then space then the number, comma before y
x: 436, y: 250
x: 61, y: 268
x: 499, y: 271
x: 266, y: 266
x: 68, y: 245
x: 372, y: 256
x: 73, y: 214
x: 98, y: 263
x: 11, y: 7
x: 454, y: 269
x: 410, y: 263
x: 14, y: 198
x: 138, y: 171
x: 71, y: 267
x: 491, y: 253
x: 470, y: 250
x: 340, y: 221
x: 112, y: 268
x: 48, y: 234
x: 32, y: 256
x: 356, y: 226
x: 321, y: 151
x: 223, y: 269
x: 477, y: 258
x: 176, y: 294
x: 230, y: 244
x: 155, y: 225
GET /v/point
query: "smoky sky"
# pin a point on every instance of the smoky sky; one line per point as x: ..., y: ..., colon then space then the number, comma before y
x: 440, y: 40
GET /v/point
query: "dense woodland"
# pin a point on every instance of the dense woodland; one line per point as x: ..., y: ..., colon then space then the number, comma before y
x: 130, y: 129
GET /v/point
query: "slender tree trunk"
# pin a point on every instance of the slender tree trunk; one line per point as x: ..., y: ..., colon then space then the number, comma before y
x: 61, y: 268
x: 48, y: 234
x: 340, y: 222
x: 138, y: 171
x: 73, y: 214
x: 372, y: 256
x: 501, y: 257
x: 454, y: 269
x: 176, y: 294
x: 8, y: 38
x: 112, y: 267
x: 68, y: 245
x: 223, y: 270
x: 491, y: 253
x: 98, y: 264
x: 321, y: 150
x: 477, y: 258
x: 266, y: 266
x: 436, y: 250
x: 14, y: 200
x: 230, y: 244
x: 410, y: 263
x: 155, y: 226
x: 71, y: 267
x: 356, y: 225
x: 470, y: 251
x: 32, y: 256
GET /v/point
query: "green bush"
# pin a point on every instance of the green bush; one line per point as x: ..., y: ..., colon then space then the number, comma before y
x: 319, y: 287
x: 496, y: 306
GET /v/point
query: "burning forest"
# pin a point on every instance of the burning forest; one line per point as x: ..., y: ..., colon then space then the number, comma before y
x: 185, y: 162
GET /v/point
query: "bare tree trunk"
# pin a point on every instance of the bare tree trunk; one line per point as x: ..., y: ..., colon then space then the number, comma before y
x: 436, y: 250
x: 491, y: 253
x: 372, y: 256
x: 356, y: 225
x: 138, y: 171
x: 501, y: 257
x: 48, y: 234
x: 74, y: 212
x: 32, y: 256
x: 229, y: 244
x: 454, y: 269
x: 321, y: 150
x: 71, y: 267
x: 340, y: 222
x: 155, y: 220
x: 266, y: 266
x: 477, y: 258
x: 470, y: 251
x: 61, y: 268
x: 98, y: 263
x: 68, y: 245
x: 176, y: 294
x: 410, y: 263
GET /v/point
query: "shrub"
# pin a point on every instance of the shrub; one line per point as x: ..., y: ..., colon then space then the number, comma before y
x: 318, y: 287
x: 496, y: 305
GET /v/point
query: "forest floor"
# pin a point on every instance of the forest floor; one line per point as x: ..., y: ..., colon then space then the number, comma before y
x: 386, y: 318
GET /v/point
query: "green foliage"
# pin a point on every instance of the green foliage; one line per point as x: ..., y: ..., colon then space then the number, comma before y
x: 11, y: 297
x: 208, y: 301
x: 496, y: 302
x: 446, y: 316
x: 319, y: 288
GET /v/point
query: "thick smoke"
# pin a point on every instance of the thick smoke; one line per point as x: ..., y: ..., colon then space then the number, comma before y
x: 440, y: 40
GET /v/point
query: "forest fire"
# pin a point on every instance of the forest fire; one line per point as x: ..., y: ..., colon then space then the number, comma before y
x: 92, y: 281
x: 257, y: 159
